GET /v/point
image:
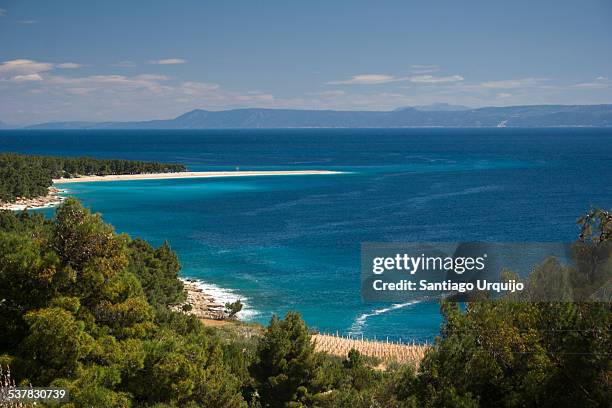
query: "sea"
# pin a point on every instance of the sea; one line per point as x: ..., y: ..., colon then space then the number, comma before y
x: 288, y: 243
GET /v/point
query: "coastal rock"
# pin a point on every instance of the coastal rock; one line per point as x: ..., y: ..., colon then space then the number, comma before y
x: 52, y: 199
x: 203, y: 305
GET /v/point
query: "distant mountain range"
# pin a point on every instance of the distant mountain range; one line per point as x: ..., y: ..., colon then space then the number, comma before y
x: 437, y: 115
x: 440, y: 107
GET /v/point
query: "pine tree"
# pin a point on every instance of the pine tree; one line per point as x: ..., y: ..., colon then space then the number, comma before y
x: 286, y: 365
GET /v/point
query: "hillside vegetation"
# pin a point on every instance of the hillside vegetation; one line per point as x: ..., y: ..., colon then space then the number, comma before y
x: 85, y: 308
x: 23, y: 176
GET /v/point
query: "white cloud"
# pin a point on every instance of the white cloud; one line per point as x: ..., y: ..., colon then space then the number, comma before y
x: 26, y: 78
x: 24, y: 67
x: 430, y: 79
x: 169, y: 61
x: 21, y: 70
x: 592, y: 85
x: 106, y: 84
x: 27, y: 21
x: 197, y: 88
x: 421, y: 66
x: 2, y: 12
x: 391, y: 95
x: 94, y: 78
x: 602, y: 78
x: 151, y: 77
x: 513, y: 83
x: 68, y: 65
x: 366, y: 79
x: 376, y: 79
x: 50, y: 91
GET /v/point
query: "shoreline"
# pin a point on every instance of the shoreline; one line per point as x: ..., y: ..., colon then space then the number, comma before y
x: 203, y: 305
x: 207, y: 301
x: 52, y: 199
x: 193, y: 174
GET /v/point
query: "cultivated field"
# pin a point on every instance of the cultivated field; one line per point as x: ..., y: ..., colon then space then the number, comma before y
x: 387, y: 352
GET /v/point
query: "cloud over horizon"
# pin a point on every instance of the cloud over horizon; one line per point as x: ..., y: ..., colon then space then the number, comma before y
x: 377, y: 79
x: 365, y: 79
x: 169, y: 61
x: 513, y: 83
x: 430, y: 79
x: 20, y: 70
x: 92, y: 63
x: 43, y: 91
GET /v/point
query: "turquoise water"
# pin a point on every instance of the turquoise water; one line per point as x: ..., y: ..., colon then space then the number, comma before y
x: 292, y: 243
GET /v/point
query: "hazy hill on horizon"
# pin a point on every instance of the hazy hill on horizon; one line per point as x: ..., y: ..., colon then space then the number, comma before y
x: 439, y: 107
x: 436, y: 115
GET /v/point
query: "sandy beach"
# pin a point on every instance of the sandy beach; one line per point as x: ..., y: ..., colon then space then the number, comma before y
x: 192, y: 174
x: 55, y: 198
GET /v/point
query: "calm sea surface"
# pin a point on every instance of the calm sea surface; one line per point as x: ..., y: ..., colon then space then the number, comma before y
x: 292, y: 243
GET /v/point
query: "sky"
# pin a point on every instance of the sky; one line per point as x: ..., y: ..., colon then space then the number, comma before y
x: 138, y: 60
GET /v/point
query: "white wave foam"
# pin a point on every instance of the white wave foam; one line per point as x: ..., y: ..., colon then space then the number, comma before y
x: 357, y: 326
x: 224, y: 295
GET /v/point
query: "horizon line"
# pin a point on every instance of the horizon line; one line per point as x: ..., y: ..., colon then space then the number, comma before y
x: 462, y: 108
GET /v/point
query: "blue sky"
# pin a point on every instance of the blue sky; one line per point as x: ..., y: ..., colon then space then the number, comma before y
x: 134, y: 60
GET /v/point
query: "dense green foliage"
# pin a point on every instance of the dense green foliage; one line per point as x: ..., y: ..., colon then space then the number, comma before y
x: 31, y: 176
x: 157, y: 269
x: 85, y: 308
x: 286, y: 366
x: 287, y: 372
x: 511, y: 354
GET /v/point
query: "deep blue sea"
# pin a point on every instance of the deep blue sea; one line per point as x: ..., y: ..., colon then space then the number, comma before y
x: 293, y: 243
